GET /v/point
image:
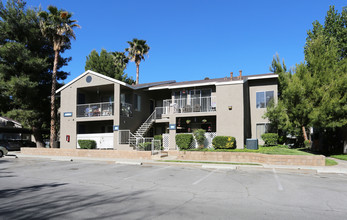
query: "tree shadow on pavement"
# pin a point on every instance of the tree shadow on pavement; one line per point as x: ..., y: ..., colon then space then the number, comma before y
x: 58, y: 200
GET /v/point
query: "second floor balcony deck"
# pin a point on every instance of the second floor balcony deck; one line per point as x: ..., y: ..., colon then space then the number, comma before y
x: 190, y: 105
x: 95, y: 109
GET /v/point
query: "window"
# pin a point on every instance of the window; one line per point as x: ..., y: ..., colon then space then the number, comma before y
x: 262, y: 129
x: 263, y: 99
x: 137, y: 103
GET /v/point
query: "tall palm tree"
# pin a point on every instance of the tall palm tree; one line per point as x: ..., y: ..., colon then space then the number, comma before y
x: 57, y: 26
x: 136, y: 51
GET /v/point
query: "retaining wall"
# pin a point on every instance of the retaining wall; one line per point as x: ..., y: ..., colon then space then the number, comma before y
x: 240, y: 157
x: 131, y: 154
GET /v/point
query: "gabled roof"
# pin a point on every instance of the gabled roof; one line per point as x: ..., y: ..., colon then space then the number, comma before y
x: 96, y: 74
x: 135, y: 87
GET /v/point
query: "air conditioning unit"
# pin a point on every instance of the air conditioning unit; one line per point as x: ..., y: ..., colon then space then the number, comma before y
x: 252, y: 144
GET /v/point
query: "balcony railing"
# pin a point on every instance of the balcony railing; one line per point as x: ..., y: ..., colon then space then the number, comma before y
x: 189, y: 105
x: 95, y: 109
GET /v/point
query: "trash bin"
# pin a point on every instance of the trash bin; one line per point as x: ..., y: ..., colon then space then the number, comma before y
x: 252, y: 144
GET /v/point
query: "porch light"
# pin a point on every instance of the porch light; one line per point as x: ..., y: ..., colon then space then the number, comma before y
x: 230, y: 107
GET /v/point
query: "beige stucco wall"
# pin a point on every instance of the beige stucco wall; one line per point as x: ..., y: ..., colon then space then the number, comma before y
x: 68, y: 103
x: 256, y: 114
x: 230, y: 122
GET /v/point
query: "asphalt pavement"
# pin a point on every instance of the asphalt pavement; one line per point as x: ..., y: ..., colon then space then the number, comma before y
x: 42, y: 188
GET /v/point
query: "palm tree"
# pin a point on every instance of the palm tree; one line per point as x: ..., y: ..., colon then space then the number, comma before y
x: 136, y: 51
x: 57, y: 27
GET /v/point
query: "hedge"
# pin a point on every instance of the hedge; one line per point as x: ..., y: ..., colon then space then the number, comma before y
x: 224, y: 142
x: 87, y: 144
x: 270, y: 139
x: 183, y: 141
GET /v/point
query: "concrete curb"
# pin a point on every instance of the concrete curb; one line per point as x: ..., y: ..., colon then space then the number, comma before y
x: 219, y: 166
x: 128, y: 163
x: 334, y: 170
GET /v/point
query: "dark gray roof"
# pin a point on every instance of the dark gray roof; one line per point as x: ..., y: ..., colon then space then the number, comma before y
x: 146, y: 85
x: 212, y: 80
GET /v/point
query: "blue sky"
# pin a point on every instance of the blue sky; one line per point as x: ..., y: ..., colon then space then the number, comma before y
x: 193, y: 39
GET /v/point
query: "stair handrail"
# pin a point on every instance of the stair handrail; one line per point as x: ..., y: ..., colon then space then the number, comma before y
x: 151, y: 117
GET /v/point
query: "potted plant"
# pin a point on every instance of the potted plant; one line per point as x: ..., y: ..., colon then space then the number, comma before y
x: 188, y: 121
x: 204, y: 120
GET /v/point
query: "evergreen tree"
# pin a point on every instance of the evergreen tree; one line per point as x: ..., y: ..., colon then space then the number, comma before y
x: 315, y: 94
x: 109, y: 64
x: 26, y: 63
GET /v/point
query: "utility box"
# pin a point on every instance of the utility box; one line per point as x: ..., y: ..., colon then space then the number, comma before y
x: 252, y: 144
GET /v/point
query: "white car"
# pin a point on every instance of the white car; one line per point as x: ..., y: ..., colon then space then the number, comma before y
x: 3, y: 151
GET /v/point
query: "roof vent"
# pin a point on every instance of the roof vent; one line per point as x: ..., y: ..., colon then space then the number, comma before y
x: 206, y: 78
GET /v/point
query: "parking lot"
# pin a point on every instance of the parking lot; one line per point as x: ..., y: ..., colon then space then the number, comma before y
x: 49, y: 189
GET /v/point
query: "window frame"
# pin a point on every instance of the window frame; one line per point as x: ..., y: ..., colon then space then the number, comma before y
x: 264, y: 97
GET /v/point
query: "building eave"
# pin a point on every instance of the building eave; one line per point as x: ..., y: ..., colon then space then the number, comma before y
x: 96, y: 74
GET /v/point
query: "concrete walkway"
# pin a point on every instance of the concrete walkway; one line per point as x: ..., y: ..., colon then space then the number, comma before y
x: 340, y: 168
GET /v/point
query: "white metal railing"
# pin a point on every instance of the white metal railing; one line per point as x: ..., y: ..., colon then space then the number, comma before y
x: 187, y: 105
x: 95, y: 109
x: 138, y: 142
x: 159, y: 111
x: 124, y: 136
x: 126, y: 109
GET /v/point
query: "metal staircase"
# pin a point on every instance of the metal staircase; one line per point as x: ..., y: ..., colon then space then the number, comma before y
x: 137, y: 140
x: 141, y: 131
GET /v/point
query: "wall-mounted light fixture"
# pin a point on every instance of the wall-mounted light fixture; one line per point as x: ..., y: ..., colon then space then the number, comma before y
x: 230, y: 107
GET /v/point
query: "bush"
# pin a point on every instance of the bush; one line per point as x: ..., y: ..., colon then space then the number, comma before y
x: 307, y: 144
x: 147, y: 146
x: 183, y: 141
x: 200, y: 137
x: 87, y: 144
x: 158, y: 137
x: 224, y: 142
x: 270, y: 139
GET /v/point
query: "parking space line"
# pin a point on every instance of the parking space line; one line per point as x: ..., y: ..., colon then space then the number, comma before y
x: 203, y: 178
x: 142, y: 173
x: 280, y: 187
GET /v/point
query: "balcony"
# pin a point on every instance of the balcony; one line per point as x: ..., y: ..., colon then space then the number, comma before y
x: 95, y: 109
x: 190, y: 105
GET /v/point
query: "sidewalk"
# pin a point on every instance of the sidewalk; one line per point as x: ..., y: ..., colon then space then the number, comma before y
x: 341, y: 168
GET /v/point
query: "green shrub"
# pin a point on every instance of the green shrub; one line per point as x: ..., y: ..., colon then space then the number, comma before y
x: 199, y: 135
x: 87, y: 144
x: 307, y: 144
x: 147, y: 146
x: 224, y: 142
x: 183, y: 141
x: 158, y: 137
x: 270, y: 139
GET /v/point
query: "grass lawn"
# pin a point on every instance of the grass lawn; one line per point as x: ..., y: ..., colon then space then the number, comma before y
x: 279, y: 150
x: 341, y: 156
x: 330, y: 162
